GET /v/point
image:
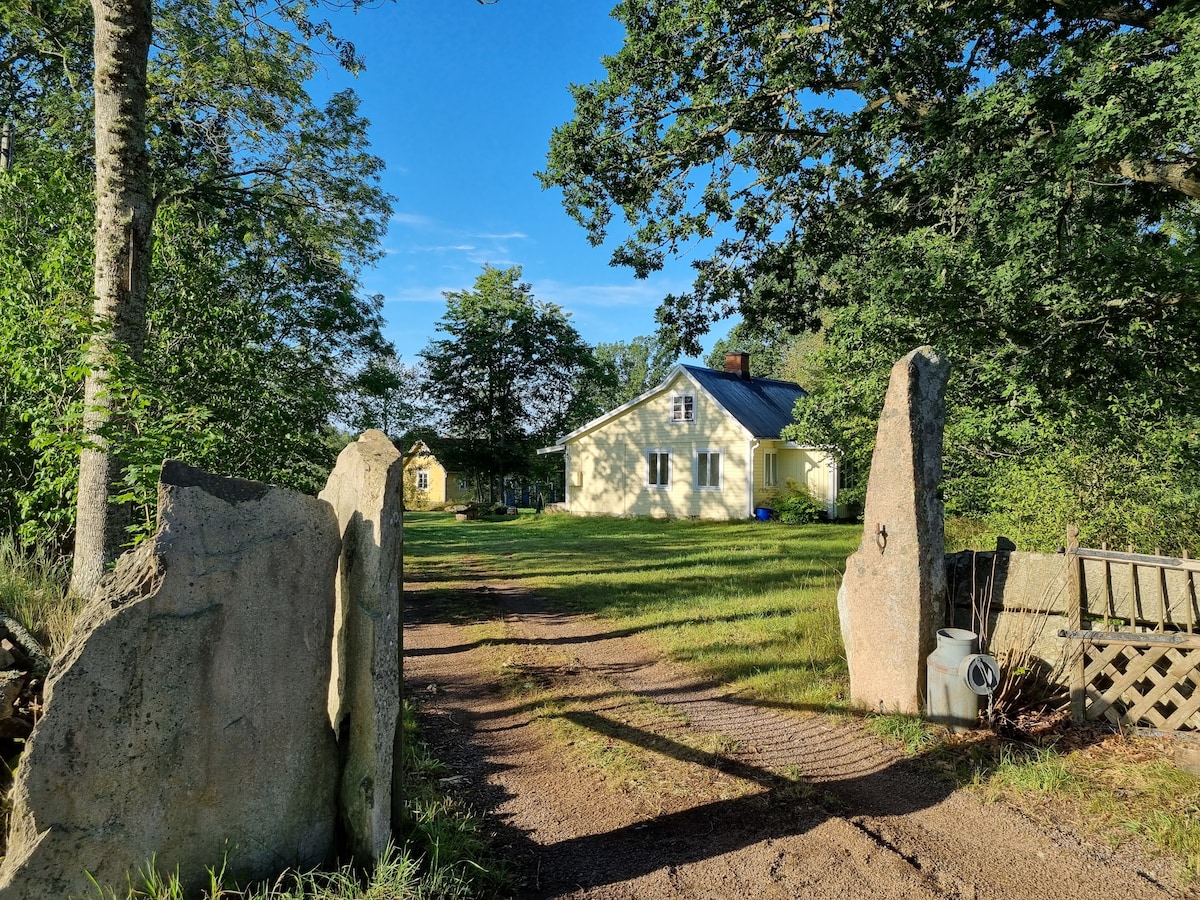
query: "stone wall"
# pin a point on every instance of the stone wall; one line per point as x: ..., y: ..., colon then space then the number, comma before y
x: 186, y: 719
x: 191, y: 719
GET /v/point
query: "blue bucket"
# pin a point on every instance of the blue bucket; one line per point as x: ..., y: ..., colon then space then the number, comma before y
x: 762, y: 514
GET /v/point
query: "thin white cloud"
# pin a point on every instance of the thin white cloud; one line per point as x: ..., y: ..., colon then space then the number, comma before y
x: 417, y: 294
x: 510, y: 236
x: 414, y: 220
x: 602, y: 296
x: 441, y: 248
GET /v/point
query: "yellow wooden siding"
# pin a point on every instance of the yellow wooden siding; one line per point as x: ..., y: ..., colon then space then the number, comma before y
x: 443, y: 485
x: 611, y: 461
x: 435, y: 494
x: 807, y: 468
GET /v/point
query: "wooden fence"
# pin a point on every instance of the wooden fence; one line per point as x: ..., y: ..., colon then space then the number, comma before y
x: 1143, y: 666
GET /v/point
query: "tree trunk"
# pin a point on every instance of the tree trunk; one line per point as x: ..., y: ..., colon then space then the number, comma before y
x: 124, y: 214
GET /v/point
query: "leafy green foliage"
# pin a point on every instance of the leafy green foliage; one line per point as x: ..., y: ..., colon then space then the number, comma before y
x: 267, y: 208
x: 384, y: 394
x: 796, y: 506
x: 1014, y: 185
x: 627, y: 370
x: 507, y: 375
x: 767, y: 348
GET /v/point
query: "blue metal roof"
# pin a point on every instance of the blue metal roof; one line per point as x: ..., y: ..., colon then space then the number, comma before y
x: 762, y: 405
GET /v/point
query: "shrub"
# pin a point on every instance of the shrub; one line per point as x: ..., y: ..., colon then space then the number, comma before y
x: 796, y: 506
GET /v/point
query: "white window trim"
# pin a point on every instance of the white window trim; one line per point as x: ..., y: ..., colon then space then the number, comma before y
x: 680, y: 395
x: 422, y: 475
x: 720, y: 485
x: 768, y: 480
x: 670, y: 467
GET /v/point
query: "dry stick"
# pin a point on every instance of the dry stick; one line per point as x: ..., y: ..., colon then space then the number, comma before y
x: 1019, y: 650
x: 1134, y: 594
x: 1162, y: 593
x: 1110, y: 599
x: 1189, y: 595
x: 1075, y: 622
x: 985, y: 637
x: 974, y: 561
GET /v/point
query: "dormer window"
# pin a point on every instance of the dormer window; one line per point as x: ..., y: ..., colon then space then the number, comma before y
x: 683, y: 408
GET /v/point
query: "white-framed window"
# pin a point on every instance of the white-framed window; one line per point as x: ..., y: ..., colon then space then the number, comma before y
x: 422, y: 479
x: 464, y: 483
x: 658, y: 469
x: 708, y: 470
x: 770, y: 469
x: 683, y: 407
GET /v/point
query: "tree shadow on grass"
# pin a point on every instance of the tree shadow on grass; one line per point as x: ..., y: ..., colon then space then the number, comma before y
x: 462, y: 616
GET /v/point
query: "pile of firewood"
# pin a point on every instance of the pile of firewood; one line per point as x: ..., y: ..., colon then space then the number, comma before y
x: 23, y: 668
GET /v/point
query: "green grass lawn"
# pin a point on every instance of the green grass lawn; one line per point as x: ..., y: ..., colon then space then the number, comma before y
x: 751, y: 604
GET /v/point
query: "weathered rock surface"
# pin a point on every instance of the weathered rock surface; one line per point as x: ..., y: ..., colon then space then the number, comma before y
x: 893, y: 593
x: 366, y: 489
x: 186, y: 719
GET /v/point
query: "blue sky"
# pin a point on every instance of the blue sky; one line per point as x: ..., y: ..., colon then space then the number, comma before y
x: 462, y: 99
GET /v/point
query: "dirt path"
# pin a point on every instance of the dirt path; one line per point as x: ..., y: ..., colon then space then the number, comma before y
x: 863, y: 823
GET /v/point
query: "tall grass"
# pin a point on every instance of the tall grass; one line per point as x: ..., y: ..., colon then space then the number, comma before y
x: 33, y: 590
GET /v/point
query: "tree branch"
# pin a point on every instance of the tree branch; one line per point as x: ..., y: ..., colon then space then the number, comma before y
x: 1130, y: 14
x: 1181, y: 177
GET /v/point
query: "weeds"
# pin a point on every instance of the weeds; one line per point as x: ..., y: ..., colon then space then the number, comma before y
x: 33, y: 590
x: 1117, y: 786
x: 910, y: 733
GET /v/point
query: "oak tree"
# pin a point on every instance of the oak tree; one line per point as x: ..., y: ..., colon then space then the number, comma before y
x: 1014, y: 183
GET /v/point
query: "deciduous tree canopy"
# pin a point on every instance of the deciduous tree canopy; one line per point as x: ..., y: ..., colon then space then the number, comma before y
x: 507, y: 374
x: 266, y: 205
x: 1016, y: 183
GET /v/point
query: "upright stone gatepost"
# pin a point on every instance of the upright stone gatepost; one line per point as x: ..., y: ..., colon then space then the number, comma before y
x: 185, y: 721
x: 894, y: 589
x: 366, y: 490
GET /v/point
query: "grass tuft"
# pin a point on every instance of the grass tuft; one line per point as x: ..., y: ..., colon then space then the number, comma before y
x: 33, y: 590
x: 910, y: 733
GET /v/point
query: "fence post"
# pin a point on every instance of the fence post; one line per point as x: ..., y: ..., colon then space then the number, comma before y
x: 1075, y: 657
x: 1189, y: 595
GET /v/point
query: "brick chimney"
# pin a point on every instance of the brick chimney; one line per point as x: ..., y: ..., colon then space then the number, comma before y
x: 738, y: 364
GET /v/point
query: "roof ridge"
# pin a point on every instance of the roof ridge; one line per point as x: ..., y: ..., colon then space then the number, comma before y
x: 711, y: 371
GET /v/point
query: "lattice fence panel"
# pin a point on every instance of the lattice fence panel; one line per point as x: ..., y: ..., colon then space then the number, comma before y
x: 1156, y: 686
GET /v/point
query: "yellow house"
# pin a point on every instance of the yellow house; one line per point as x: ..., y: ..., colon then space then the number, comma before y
x: 704, y: 443
x: 427, y: 482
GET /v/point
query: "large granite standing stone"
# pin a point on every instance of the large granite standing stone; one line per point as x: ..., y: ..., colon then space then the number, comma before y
x: 366, y: 489
x: 893, y: 593
x: 186, y: 719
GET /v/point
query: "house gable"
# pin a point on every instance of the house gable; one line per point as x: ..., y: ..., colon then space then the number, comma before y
x: 693, y: 446
x: 427, y: 481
